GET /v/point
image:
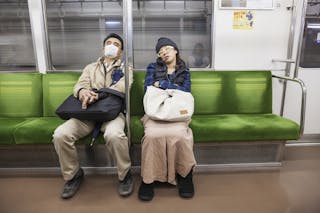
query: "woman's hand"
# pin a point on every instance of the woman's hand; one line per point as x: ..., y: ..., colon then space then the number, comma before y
x: 156, y: 84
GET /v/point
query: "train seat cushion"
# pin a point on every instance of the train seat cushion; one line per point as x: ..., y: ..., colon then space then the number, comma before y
x: 20, y: 95
x: 40, y: 131
x: 56, y: 88
x: 37, y: 130
x: 243, y: 127
x: 232, y: 127
x: 8, y: 127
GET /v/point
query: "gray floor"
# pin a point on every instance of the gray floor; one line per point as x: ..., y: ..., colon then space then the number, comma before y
x: 293, y: 189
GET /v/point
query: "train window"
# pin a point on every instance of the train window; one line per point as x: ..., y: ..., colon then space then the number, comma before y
x: 77, y: 29
x: 188, y: 23
x: 310, y: 50
x: 16, y: 46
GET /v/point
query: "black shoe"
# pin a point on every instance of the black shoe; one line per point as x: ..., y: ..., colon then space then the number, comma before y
x: 126, y: 185
x: 146, y: 192
x: 71, y: 186
x: 185, y: 186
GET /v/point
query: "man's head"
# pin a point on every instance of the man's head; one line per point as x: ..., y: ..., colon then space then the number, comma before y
x: 113, y: 46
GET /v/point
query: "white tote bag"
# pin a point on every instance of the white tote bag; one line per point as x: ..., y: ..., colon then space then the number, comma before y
x: 168, y: 105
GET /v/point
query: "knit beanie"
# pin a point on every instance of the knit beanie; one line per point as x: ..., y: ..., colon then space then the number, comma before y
x: 113, y: 35
x: 165, y: 42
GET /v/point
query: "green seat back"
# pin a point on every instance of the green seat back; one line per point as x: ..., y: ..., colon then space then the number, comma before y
x: 232, y: 92
x: 56, y: 88
x: 219, y: 92
x: 136, y: 93
x: 20, y: 95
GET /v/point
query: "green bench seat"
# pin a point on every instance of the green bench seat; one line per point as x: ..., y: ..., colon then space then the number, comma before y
x: 28, y: 104
x: 229, y: 106
x: 232, y: 123
x: 20, y: 99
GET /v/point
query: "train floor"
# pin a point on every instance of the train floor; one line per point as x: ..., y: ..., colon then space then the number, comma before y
x: 295, y: 188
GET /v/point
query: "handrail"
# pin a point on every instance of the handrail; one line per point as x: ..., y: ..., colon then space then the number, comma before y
x: 288, y: 63
x: 283, y: 60
x: 302, y: 23
x: 303, y: 98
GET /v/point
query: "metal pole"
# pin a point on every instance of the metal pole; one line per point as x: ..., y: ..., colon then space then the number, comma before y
x: 289, y: 54
x: 213, y: 34
x: 49, y: 56
x: 293, y: 9
x: 302, y: 23
x: 39, y: 34
x: 128, y: 53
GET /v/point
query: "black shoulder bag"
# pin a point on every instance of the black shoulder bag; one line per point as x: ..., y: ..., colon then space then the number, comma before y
x: 109, y: 104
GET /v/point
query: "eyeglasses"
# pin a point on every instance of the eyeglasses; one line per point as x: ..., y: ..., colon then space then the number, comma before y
x: 164, y: 50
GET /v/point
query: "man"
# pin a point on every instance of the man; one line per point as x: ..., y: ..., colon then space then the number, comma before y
x: 106, y: 72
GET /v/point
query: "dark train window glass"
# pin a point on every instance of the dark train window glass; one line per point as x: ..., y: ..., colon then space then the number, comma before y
x: 310, y: 51
x: 188, y: 23
x: 77, y: 28
x: 16, y: 46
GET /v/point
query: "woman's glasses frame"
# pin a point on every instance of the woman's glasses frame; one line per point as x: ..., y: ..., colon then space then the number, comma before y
x: 165, y: 49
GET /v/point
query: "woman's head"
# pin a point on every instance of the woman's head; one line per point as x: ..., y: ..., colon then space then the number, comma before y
x: 167, y: 50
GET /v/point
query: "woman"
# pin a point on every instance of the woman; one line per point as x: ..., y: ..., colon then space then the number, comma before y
x: 167, y: 147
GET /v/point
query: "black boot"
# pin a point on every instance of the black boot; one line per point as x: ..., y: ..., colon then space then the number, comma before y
x: 72, y: 186
x: 185, y: 185
x: 146, y: 192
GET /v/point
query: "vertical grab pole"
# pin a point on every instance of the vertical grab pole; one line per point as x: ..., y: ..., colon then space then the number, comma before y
x: 128, y: 53
x: 39, y: 30
x: 289, y: 53
x: 302, y: 23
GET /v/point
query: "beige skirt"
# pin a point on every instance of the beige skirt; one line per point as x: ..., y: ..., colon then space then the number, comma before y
x: 167, y: 149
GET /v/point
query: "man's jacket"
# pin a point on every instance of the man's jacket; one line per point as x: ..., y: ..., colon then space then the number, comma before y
x: 95, y: 76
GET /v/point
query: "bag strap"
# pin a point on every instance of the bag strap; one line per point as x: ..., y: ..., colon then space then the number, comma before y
x: 105, y: 92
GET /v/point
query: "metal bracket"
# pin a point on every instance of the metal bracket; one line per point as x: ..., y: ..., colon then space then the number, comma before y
x: 284, y: 60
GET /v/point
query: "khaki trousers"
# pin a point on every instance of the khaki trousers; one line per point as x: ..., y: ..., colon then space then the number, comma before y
x: 68, y: 133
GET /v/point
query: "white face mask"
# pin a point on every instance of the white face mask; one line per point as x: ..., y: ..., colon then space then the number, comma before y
x: 110, y: 51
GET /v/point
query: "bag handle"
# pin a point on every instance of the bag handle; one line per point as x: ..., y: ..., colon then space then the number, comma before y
x: 105, y: 92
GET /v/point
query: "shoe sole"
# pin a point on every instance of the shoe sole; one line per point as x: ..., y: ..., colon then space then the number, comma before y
x: 143, y: 198
x: 126, y: 194
x: 187, y: 195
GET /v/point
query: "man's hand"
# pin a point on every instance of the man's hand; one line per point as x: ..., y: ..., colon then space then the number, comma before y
x: 87, y: 97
